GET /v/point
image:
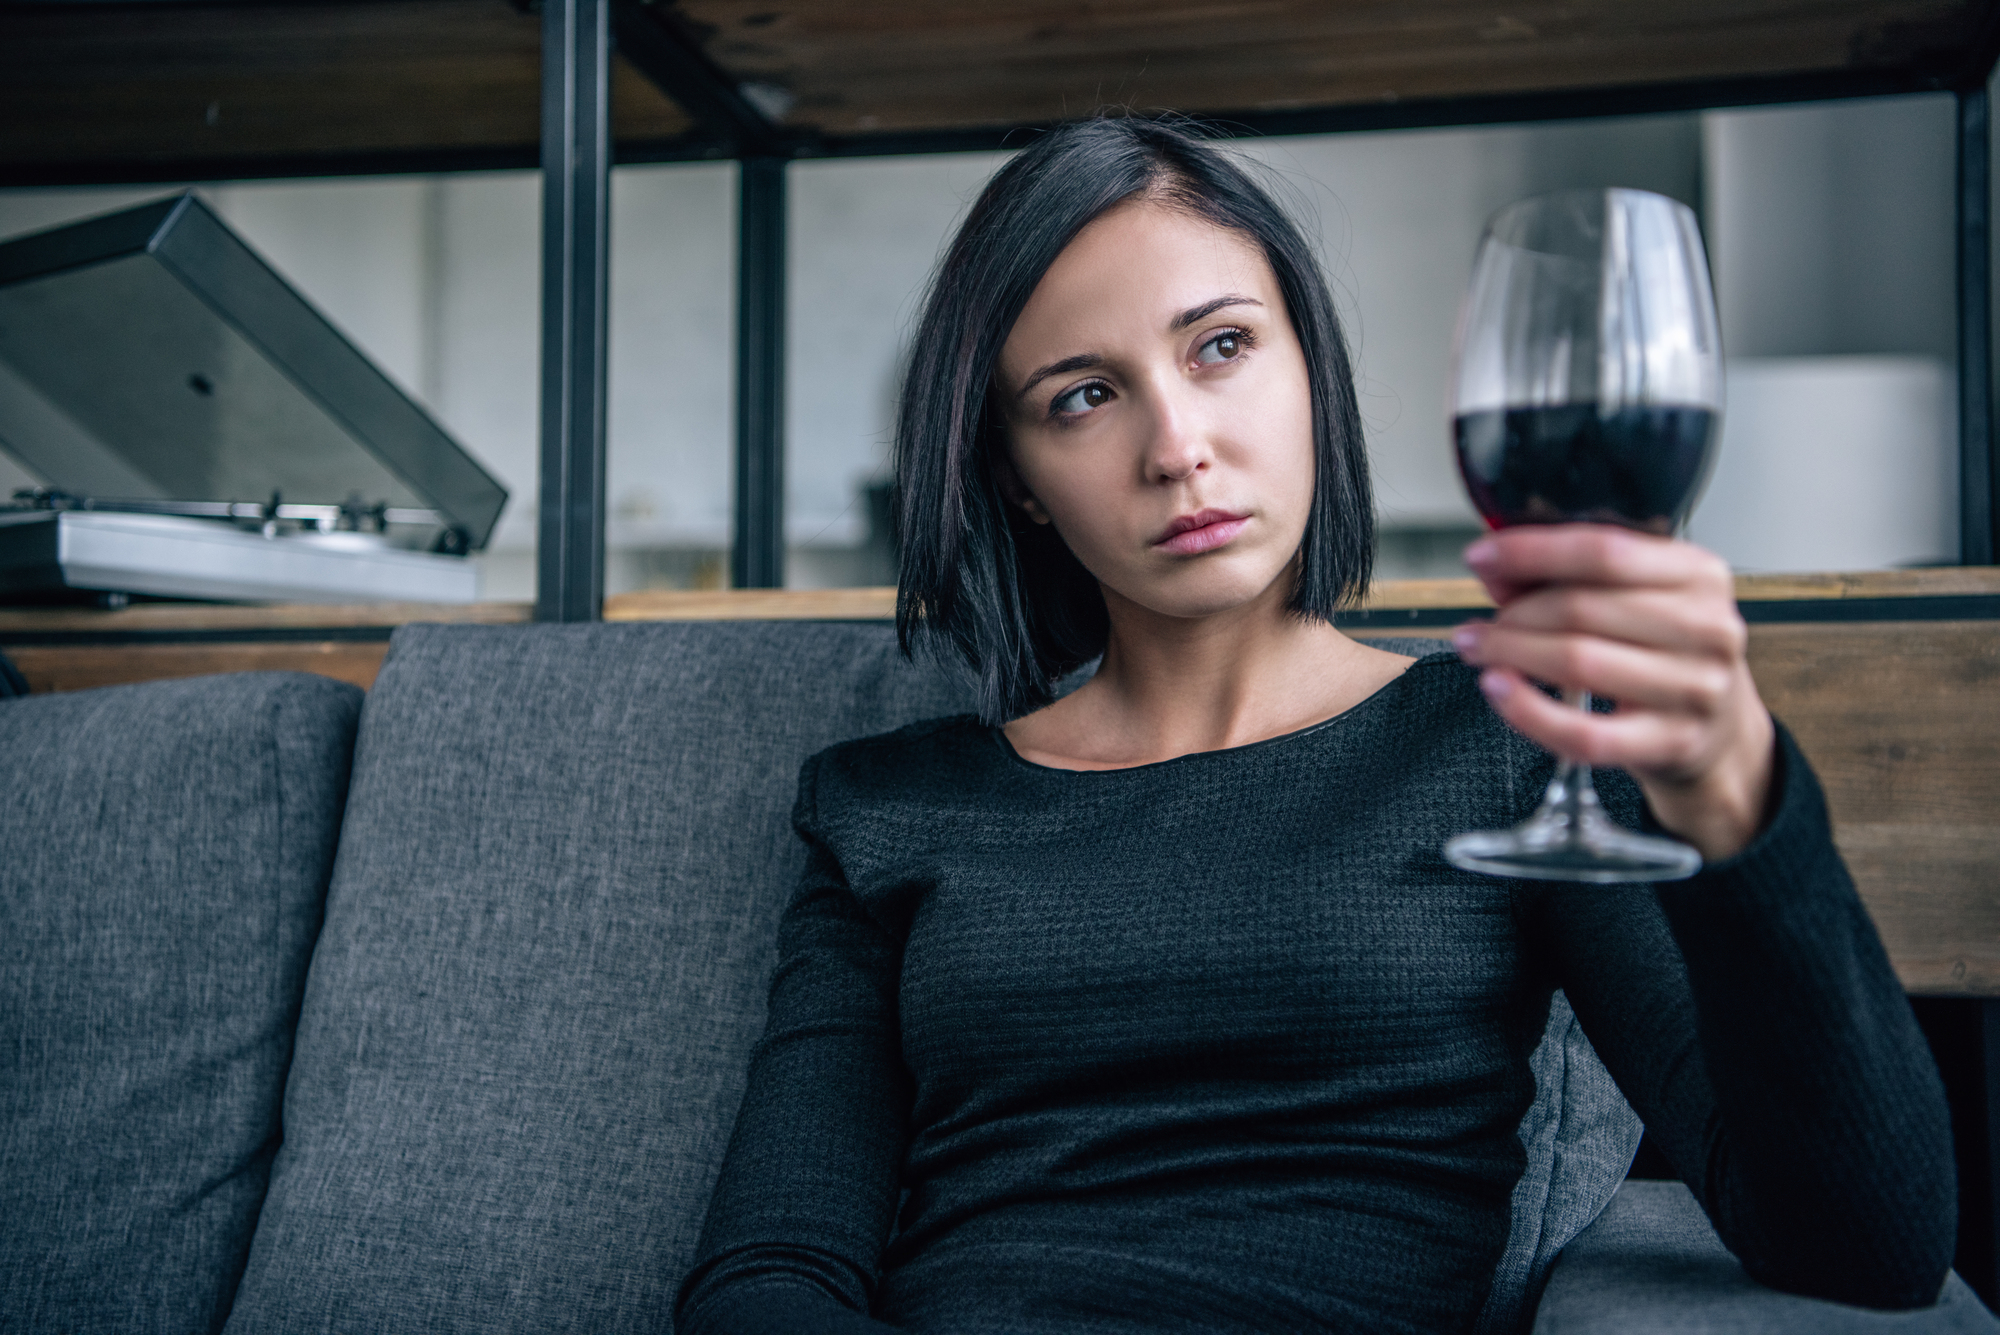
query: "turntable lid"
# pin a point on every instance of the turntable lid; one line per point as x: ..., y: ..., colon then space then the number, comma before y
x: 151, y: 355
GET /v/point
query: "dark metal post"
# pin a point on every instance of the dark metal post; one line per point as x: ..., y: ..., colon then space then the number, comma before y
x: 576, y: 197
x: 1976, y: 474
x: 1988, y: 1282
x: 757, y: 559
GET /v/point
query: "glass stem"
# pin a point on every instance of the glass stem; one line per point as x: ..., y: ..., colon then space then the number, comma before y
x: 1571, y: 791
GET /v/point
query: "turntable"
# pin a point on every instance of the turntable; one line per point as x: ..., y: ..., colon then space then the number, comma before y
x: 203, y: 432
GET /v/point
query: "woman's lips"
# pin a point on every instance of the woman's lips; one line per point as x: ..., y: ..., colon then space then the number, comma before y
x: 1201, y: 532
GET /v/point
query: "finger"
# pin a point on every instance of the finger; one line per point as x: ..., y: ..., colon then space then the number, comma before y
x: 1515, y: 560
x: 1636, y: 677
x: 1641, y: 742
x: 1659, y: 618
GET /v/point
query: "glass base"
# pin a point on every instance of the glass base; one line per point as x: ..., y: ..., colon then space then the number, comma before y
x: 1569, y: 838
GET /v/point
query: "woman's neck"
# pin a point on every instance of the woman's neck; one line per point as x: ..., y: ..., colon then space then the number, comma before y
x: 1173, y: 685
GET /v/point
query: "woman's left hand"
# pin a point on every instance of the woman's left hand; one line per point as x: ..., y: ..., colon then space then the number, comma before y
x: 1650, y: 623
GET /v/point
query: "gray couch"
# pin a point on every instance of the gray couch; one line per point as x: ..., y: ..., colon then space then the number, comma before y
x: 454, y: 1044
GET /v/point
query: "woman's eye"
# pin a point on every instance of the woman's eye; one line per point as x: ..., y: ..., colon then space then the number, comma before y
x: 1082, y: 399
x: 1221, y: 348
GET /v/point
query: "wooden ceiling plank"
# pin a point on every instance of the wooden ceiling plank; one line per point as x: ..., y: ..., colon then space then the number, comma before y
x: 136, y: 82
x: 895, y: 64
x: 192, y: 84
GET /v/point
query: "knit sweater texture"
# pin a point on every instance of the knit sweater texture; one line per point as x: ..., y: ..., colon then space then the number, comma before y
x: 1223, y: 1044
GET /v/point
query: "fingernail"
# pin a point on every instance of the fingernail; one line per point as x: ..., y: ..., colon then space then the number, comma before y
x: 1466, y: 638
x: 1496, y: 686
x: 1482, y: 552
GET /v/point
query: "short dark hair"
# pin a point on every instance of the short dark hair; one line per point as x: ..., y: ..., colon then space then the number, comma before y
x: 981, y: 583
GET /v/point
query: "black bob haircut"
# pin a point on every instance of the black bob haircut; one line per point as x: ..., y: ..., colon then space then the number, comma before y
x: 979, y: 582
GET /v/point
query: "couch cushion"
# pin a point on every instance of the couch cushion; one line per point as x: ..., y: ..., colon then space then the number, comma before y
x: 543, y: 966
x: 164, y: 852
x: 1652, y: 1265
x: 1580, y: 1135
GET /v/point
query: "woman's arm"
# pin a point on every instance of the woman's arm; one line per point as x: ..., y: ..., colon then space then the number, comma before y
x: 1753, y: 1021
x: 809, y: 1185
x: 1749, y: 1013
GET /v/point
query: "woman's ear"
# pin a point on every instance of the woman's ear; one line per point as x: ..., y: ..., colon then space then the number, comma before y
x: 1015, y: 490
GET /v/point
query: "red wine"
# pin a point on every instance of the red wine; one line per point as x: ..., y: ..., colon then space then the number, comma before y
x: 1641, y: 466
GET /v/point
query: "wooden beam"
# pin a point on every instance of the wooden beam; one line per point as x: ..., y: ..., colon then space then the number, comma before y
x: 204, y: 91
x: 19, y: 623
x: 83, y: 667
x: 1902, y: 722
x: 179, y: 86
x: 869, y: 66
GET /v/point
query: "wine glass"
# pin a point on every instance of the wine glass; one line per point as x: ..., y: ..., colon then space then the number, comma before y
x: 1588, y: 388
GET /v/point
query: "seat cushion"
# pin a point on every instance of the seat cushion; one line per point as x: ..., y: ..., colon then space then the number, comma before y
x: 164, y: 854
x: 1580, y: 1135
x: 543, y: 966
x: 1652, y: 1265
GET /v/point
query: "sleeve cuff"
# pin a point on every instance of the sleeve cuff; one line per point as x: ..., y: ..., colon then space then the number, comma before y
x: 1795, y: 819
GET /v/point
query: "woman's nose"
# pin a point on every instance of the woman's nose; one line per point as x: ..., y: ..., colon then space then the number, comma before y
x: 1178, y: 449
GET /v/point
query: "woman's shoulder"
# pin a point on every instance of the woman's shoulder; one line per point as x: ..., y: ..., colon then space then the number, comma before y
x: 1439, y: 679
x: 1435, y: 715
x: 929, y: 759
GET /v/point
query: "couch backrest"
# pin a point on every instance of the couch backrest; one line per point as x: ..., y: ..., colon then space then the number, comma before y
x: 164, y: 854
x: 543, y: 965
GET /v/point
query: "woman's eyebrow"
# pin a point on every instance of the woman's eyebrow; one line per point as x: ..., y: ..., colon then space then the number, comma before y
x: 1208, y: 308
x: 1083, y: 361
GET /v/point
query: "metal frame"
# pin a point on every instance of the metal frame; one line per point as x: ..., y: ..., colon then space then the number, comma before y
x: 576, y: 155
x: 1976, y: 463
x: 657, y: 42
x: 757, y: 554
x: 1989, y: 1064
x: 576, y: 253
x: 577, y: 158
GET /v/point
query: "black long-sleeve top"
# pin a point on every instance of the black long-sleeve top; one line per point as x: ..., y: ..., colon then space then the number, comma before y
x: 1223, y: 1044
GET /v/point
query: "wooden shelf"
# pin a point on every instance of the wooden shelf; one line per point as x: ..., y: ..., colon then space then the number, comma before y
x: 213, y: 620
x: 209, y: 90
x: 214, y: 88
x: 857, y: 68
x: 176, y: 617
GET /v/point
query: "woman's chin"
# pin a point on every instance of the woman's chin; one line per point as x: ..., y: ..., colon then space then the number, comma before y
x: 1195, y: 594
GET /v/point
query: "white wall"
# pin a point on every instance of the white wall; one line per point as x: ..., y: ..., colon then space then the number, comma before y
x: 1831, y: 235
x: 1830, y: 227
x: 1834, y: 463
x: 864, y: 236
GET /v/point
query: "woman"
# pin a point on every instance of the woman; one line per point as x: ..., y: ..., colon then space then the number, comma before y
x: 1155, y: 1007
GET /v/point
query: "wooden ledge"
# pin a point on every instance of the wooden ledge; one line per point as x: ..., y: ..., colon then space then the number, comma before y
x: 877, y: 604
x: 216, y: 620
x: 153, y: 618
x: 1389, y: 595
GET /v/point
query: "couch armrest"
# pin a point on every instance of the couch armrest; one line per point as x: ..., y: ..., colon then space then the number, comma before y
x: 1652, y: 1265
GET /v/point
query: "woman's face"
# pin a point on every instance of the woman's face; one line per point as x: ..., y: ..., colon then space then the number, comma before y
x: 1158, y: 412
